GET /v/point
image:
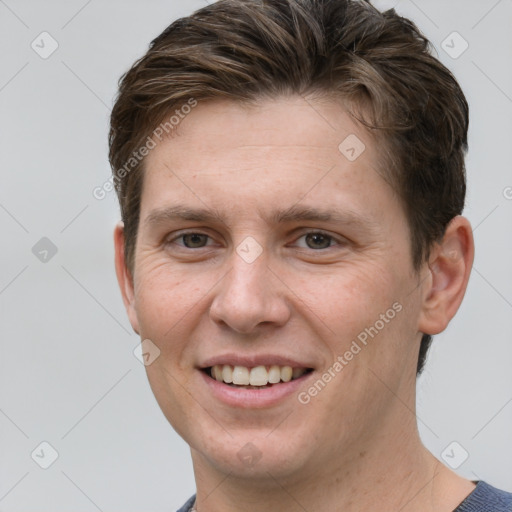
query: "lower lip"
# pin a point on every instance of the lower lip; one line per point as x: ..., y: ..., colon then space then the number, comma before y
x: 254, y: 398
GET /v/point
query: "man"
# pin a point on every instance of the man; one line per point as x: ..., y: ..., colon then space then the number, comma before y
x: 291, y: 179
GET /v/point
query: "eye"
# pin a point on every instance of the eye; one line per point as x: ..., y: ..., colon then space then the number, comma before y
x: 318, y: 240
x: 191, y: 240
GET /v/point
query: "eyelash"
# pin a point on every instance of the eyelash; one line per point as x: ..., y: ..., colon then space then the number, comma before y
x: 312, y: 232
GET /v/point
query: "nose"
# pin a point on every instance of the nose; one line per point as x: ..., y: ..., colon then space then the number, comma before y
x: 249, y: 296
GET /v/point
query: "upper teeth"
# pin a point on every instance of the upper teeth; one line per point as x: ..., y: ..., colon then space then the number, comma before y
x: 257, y: 376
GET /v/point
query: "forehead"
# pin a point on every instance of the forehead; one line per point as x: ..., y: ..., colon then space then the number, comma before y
x: 280, y: 151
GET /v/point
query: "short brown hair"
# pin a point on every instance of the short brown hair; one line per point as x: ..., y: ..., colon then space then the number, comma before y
x: 377, y: 63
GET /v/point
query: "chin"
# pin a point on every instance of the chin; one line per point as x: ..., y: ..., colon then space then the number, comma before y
x: 257, y: 456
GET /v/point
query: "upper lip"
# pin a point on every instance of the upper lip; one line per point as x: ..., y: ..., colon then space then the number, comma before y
x: 250, y: 361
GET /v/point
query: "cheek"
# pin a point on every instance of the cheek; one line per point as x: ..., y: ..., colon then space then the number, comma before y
x: 164, y: 299
x: 348, y: 299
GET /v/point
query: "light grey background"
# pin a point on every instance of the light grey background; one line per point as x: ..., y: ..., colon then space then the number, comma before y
x: 68, y: 375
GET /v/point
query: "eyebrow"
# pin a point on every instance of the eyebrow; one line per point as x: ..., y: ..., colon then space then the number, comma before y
x: 292, y: 214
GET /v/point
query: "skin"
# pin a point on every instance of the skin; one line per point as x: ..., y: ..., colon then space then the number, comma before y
x: 355, y: 445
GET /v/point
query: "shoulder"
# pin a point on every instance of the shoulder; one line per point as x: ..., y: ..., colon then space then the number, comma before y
x: 486, y: 498
x: 188, y: 505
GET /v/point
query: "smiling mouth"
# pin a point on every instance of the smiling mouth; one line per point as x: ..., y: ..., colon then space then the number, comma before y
x: 258, y: 377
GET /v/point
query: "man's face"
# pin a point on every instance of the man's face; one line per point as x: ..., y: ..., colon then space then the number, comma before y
x: 250, y: 289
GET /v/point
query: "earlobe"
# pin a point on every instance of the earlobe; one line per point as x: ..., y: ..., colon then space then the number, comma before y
x: 124, y: 277
x: 449, y: 269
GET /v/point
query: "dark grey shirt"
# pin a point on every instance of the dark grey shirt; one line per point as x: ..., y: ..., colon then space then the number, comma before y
x: 484, y: 498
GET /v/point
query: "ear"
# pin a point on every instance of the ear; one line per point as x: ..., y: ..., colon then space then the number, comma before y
x: 124, y: 277
x: 448, y: 273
